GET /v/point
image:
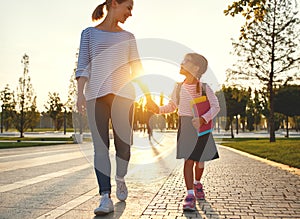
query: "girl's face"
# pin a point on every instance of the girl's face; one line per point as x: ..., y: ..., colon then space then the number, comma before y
x: 187, y: 67
x: 123, y: 10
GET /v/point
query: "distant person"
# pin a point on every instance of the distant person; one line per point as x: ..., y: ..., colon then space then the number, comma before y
x: 149, y: 124
x: 107, y: 64
x: 193, y: 148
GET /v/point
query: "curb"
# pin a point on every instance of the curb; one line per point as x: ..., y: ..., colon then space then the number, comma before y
x: 290, y: 169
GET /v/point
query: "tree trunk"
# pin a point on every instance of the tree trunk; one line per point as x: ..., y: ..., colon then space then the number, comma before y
x: 22, y: 123
x: 271, y: 97
x: 271, y: 119
x: 231, y: 128
x: 237, y: 124
x: 287, y: 126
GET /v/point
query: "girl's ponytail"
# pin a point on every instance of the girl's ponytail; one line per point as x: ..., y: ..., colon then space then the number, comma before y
x: 98, y: 12
x: 198, y: 87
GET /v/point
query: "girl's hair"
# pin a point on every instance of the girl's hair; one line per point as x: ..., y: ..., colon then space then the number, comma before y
x: 202, y: 63
x: 98, y: 12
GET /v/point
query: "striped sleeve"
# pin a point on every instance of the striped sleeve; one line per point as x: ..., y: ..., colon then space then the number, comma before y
x: 133, y: 51
x: 83, y: 66
x: 214, y: 105
x: 171, y: 106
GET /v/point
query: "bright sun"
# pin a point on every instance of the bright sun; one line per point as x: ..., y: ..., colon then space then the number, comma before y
x: 160, y: 77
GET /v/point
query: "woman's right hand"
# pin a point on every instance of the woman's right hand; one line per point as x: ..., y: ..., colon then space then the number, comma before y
x: 81, y: 103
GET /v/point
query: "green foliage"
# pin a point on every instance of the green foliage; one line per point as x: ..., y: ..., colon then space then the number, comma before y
x: 269, y: 54
x: 54, y: 109
x: 254, y: 111
x: 236, y: 101
x: 251, y: 10
x: 72, y: 92
x: 287, y: 100
x: 25, y: 101
x: 17, y: 144
x: 8, y: 107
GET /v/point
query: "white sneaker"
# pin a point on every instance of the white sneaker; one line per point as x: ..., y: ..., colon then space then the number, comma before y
x: 106, y: 206
x: 122, y: 191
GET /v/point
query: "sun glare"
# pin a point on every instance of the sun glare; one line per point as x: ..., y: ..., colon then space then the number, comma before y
x: 160, y: 77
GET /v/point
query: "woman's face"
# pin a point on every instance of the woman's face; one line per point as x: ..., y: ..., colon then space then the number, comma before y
x: 124, y: 10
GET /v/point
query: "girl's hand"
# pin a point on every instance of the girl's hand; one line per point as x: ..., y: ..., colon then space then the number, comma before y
x: 81, y: 103
x: 198, y: 122
x: 151, y: 106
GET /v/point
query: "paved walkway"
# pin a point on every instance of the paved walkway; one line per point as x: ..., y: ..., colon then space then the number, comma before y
x: 59, y: 182
x: 236, y: 186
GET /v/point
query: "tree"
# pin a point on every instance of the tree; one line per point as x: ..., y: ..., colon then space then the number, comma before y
x: 270, y: 52
x: 287, y: 102
x: 257, y: 109
x: 251, y: 10
x: 254, y: 111
x: 34, y: 115
x: 250, y: 115
x: 72, y: 94
x: 54, y: 110
x: 24, y: 100
x: 8, y: 107
x: 236, y: 101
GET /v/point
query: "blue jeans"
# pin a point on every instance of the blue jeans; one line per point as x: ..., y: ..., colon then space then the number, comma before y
x: 119, y: 111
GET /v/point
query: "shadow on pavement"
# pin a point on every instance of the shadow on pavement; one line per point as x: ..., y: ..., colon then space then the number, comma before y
x: 191, y: 214
x: 119, y: 209
x: 207, y: 209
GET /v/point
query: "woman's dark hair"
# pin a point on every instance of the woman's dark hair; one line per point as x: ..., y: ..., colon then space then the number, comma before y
x: 98, y: 12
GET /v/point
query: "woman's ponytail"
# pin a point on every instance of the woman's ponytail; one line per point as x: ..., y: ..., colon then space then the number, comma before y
x: 98, y: 12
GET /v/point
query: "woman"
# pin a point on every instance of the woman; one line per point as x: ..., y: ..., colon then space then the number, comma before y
x: 108, y: 62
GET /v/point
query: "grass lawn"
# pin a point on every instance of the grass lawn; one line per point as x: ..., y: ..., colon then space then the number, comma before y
x: 284, y: 150
x: 36, y: 139
x: 14, y: 142
x: 27, y: 144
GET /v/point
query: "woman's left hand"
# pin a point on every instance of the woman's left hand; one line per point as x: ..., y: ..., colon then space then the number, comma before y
x: 152, y: 106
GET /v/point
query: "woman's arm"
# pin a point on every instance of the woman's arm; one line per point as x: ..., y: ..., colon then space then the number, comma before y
x: 83, y: 70
x: 137, y: 70
x: 81, y: 102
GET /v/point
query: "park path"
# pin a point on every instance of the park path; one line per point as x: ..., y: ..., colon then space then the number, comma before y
x: 59, y: 182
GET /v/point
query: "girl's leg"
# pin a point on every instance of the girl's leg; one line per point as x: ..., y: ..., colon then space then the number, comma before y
x: 198, y: 188
x: 199, y: 168
x: 188, y: 173
x: 189, y: 202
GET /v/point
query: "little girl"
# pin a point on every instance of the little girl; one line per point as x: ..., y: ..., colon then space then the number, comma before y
x: 193, y: 148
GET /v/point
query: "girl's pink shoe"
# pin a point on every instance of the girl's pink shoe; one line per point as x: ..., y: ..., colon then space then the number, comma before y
x: 189, y: 203
x: 198, y: 190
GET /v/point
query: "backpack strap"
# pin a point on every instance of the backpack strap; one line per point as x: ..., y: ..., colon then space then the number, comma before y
x: 203, y: 89
x: 179, y: 84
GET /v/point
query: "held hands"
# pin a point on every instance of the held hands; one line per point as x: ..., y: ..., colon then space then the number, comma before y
x: 152, y: 106
x: 198, y: 122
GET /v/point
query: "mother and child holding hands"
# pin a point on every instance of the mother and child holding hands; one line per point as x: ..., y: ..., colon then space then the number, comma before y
x: 108, y: 63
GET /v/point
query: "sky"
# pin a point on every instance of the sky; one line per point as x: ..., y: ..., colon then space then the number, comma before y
x: 49, y: 33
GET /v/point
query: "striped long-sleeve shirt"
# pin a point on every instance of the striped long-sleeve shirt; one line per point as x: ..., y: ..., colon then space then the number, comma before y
x: 105, y: 60
x: 188, y: 93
